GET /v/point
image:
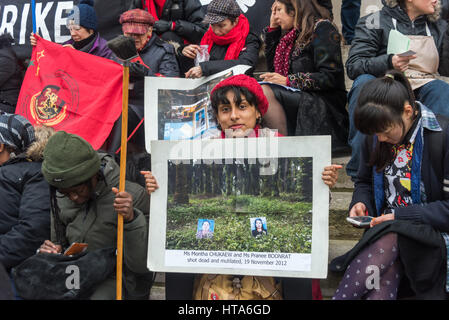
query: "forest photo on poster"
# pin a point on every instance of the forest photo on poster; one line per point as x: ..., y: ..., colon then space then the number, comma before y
x: 234, y: 195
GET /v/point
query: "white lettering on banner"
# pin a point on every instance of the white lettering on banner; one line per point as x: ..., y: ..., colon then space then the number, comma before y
x: 244, y: 4
x: 11, y: 19
x: 64, y: 6
x: 23, y: 23
x: 41, y: 27
x: 8, y: 24
x: 234, y: 259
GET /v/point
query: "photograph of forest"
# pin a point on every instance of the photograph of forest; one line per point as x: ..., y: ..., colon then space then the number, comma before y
x: 233, y: 195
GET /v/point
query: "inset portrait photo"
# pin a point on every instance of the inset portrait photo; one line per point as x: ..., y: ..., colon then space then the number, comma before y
x: 205, y: 229
x: 258, y: 226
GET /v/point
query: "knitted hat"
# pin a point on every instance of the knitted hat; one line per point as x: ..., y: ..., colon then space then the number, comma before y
x: 16, y: 131
x: 87, y: 15
x: 136, y: 21
x: 69, y: 160
x: 219, y: 10
x: 249, y: 83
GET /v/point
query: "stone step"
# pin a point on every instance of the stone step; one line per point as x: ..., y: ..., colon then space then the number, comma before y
x: 328, y: 285
x: 336, y: 249
x: 344, y: 181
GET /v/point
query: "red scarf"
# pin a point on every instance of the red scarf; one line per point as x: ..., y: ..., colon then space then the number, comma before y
x: 283, y: 52
x: 150, y: 6
x: 236, y: 39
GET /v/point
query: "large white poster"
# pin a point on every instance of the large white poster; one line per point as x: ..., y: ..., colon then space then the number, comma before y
x: 254, y: 206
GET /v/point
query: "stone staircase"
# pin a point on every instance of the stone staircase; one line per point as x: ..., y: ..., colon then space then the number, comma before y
x: 342, y: 236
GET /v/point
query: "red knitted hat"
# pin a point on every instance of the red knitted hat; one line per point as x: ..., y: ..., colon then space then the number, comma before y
x: 249, y: 83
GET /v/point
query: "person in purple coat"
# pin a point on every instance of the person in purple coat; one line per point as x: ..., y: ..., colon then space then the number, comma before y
x: 83, y: 32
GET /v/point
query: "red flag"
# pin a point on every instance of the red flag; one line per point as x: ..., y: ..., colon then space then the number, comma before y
x: 72, y: 91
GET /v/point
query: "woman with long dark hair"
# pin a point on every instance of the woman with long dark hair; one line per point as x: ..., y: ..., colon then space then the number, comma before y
x: 403, y: 182
x: 306, y: 94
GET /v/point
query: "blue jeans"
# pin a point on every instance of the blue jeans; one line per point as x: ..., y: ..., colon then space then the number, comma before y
x: 434, y: 95
x: 350, y: 14
x: 355, y: 137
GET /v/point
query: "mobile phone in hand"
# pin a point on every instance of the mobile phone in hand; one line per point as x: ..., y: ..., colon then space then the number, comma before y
x: 75, y: 248
x: 360, y: 222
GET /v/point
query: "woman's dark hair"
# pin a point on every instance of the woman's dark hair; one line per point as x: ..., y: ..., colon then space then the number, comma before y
x: 258, y: 219
x: 232, y: 19
x: 219, y: 97
x: 379, y: 107
x: 307, y: 13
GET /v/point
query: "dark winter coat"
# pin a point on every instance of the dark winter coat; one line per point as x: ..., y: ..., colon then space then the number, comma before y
x: 24, y: 210
x: 188, y: 22
x: 160, y: 57
x: 368, y: 53
x: 317, y: 70
x: 248, y: 56
x: 11, y: 76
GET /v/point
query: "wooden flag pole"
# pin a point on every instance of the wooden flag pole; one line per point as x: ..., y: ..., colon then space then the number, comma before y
x: 123, y: 151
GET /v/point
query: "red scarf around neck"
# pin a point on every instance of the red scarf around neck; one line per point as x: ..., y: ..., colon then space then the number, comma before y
x: 236, y: 39
x: 283, y: 52
x: 150, y: 6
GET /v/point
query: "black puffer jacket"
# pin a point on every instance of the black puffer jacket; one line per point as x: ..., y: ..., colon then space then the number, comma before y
x: 10, y: 75
x: 248, y: 56
x: 188, y: 20
x: 368, y: 53
x: 24, y: 210
x: 160, y: 57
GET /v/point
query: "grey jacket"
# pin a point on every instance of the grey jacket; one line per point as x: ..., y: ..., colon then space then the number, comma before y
x: 368, y: 53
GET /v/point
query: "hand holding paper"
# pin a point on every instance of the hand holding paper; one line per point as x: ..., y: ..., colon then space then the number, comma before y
x: 399, y: 45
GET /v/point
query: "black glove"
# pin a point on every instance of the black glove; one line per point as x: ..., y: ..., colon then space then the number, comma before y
x: 162, y: 26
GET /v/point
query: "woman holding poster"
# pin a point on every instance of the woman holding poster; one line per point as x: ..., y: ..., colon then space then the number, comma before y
x: 239, y: 104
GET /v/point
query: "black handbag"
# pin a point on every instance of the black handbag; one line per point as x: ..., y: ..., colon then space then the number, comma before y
x: 47, y: 276
x: 57, y: 277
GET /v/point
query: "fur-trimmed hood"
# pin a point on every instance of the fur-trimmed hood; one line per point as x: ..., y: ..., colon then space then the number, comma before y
x: 36, y: 150
x: 432, y: 17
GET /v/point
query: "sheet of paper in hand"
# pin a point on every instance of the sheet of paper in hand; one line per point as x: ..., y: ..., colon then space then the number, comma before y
x: 397, y: 43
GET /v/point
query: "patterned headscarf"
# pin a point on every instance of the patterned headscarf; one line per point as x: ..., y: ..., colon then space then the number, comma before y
x: 16, y: 131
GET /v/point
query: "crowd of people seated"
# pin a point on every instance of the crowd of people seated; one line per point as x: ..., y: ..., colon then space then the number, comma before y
x: 56, y: 189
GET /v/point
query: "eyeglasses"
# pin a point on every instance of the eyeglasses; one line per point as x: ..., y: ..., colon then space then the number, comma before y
x: 71, y: 192
x: 72, y: 26
x: 134, y: 35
